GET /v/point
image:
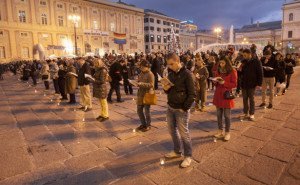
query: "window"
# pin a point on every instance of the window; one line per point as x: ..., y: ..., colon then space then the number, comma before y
x: 60, y: 6
x: 24, y: 34
x: 177, y: 25
x: 22, y: 16
x: 177, y: 31
x: 158, y: 29
x: 60, y: 21
x: 112, y: 26
x: 1, y: 33
x: 158, y: 38
x: 152, y: 47
x: 291, y: 17
x: 151, y: 20
x: 158, y: 21
x: 2, y: 52
x: 44, y: 19
x: 151, y: 28
x: 95, y: 25
x: 146, y: 20
x: 146, y: 28
x: 165, y: 39
x: 146, y: 38
x: 152, y: 38
x: 290, y: 34
x: 164, y: 22
x: 147, y: 47
x: 25, y: 52
x: 43, y: 2
x: 158, y: 47
x: 75, y: 9
x: 95, y: 11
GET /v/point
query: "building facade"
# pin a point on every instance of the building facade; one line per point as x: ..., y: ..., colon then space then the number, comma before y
x: 25, y: 23
x: 187, y: 36
x: 204, y: 38
x: 260, y: 34
x: 157, y: 28
x: 291, y: 26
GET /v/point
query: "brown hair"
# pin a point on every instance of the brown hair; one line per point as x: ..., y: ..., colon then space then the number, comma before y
x: 228, y: 65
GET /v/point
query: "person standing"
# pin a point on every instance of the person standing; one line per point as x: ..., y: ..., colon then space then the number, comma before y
x: 126, y: 74
x: 201, y: 74
x: 180, y: 95
x: 83, y: 83
x: 289, y: 70
x: 45, y: 74
x: 71, y: 81
x: 62, y: 72
x: 54, y: 75
x: 155, y: 69
x: 100, y: 88
x: 145, y: 84
x: 251, y: 77
x: 269, y: 67
x: 280, y: 75
x: 115, y: 73
x: 228, y: 81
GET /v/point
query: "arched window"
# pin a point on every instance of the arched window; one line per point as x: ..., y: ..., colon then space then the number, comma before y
x: 291, y: 17
x: 44, y: 19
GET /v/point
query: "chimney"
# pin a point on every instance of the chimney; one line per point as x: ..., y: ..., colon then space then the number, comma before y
x: 257, y: 24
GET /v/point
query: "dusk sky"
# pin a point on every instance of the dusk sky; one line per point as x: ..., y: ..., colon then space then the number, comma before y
x: 210, y: 13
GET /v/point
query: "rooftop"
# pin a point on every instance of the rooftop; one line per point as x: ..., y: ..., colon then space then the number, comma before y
x: 261, y: 26
x: 118, y: 4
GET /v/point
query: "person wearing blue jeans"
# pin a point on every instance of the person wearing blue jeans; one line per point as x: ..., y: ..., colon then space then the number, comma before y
x: 180, y: 89
x: 144, y: 116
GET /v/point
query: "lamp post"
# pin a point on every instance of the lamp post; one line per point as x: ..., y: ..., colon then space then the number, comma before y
x: 75, y: 19
x: 218, y: 30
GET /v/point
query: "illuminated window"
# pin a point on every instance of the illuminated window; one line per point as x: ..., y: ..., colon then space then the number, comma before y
x: 22, y: 16
x: 25, y: 52
x: 112, y: 27
x: 95, y: 25
x: 60, y: 21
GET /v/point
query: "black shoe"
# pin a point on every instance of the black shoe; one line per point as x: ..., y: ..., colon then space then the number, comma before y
x: 262, y: 105
x: 140, y: 128
x: 146, y: 128
x: 99, y: 117
x: 103, y: 119
x: 63, y: 98
x: 270, y: 106
x: 109, y: 101
x: 72, y: 102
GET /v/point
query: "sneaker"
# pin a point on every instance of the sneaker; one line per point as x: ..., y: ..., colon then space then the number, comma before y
x: 140, y: 128
x: 251, y: 118
x: 227, y: 136
x: 99, y: 117
x: 172, y: 155
x: 270, y: 106
x: 186, y: 162
x: 219, y: 134
x: 262, y: 105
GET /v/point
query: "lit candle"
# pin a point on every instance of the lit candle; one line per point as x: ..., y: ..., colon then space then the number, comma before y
x: 162, y: 161
x: 215, y: 140
x: 83, y: 119
x: 140, y: 143
x: 133, y: 131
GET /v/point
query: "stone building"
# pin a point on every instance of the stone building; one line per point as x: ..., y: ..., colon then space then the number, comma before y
x: 25, y: 23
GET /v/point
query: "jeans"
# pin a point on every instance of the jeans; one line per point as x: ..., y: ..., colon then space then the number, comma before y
x: 62, y: 90
x: 201, y: 95
x: 114, y: 87
x: 145, y: 117
x: 248, y: 97
x: 288, y: 80
x: 46, y: 83
x: 227, y: 115
x: 268, y: 82
x: 128, y: 87
x: 85, y: 96
x: 178, y: 122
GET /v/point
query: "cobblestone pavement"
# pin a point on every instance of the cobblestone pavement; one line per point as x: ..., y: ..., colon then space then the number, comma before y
x: 44, y: 141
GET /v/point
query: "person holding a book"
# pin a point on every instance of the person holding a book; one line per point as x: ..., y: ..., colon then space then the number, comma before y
x: 145, y: 84
x: 181, y: 95
x: 226, y: 80
x: 83, y: 83
x: 100, y: 88
x: 71, y: 80
x: 269, y: 68
x: 201, y: 74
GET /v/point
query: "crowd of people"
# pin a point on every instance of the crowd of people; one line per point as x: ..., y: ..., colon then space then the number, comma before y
x: 185, y: 78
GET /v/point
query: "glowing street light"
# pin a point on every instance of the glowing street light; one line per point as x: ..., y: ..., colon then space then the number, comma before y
x: 218, y: 30
x: 75, y: 19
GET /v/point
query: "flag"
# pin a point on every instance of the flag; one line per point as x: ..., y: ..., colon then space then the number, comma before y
x: 120, y: 38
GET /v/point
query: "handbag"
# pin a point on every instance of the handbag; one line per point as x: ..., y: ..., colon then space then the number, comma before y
x: 150, y: 98
x: 228, y: 95
x: 45, y: 77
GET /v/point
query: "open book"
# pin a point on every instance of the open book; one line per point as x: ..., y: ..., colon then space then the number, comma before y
x: 133, y: 82
x: 268, y: 68
x: 216, y: 79
x: 164, y: 81
x: 74, y: 74
x: 89, y: 76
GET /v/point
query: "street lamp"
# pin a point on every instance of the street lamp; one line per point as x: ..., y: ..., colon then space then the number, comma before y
x: 75, y: 19
x: 218, y: 30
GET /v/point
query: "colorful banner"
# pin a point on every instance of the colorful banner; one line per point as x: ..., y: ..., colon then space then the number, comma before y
x: 120, y: 38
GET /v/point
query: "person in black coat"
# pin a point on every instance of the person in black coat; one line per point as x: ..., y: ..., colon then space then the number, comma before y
x: 155, y: 69
x: 62, y: 72
x: 251, y: 77
x: 83, y: 83
x: 280, y: 74
x: 126, y: 74
x: 115, y: 73
x: 289, y: 70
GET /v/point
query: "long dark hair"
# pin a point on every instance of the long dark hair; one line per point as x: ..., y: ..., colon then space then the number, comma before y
x: 228, y: 65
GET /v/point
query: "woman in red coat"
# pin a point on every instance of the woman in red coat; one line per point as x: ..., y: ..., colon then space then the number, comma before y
x: 226, y: 80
